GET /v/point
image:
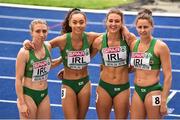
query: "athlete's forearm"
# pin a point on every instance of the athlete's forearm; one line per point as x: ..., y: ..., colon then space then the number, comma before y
x: 56, y: 62
x: 19, y: 91
x: 166, y: 87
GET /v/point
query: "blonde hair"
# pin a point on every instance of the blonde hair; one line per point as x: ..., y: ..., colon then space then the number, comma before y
x: 37, y: 21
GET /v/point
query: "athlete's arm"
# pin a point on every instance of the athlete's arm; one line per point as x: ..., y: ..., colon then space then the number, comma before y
x: 96, y: 46
x: 55, y: 62
x: 20, y: 68
x: 167, y: 72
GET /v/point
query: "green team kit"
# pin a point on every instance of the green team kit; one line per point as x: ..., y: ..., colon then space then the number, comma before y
x: 146, y: 61
x: 37, y: 69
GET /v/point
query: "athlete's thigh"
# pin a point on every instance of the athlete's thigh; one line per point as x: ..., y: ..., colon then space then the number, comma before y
x: 44, y: 111
x: 137, y: 109
x: 103, y: 103
x: 32, y: 108
x: 69, y: 102
x: 152, y: 104
x: 121, y: 104
x: 84, y: 100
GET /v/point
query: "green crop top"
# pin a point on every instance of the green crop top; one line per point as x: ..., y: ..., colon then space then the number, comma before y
x: 145, y: 60
x: 38, y: 69
x: 114, y: 56
x: 76, y: 59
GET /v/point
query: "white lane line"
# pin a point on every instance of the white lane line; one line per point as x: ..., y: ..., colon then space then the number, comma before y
x: 53, y: 105
x: 25, y: 30
x: 59, y: 81
x: 91, y: 64
x: 165, y: 14
x: 89, y: 22
x: 173, y: 93
x: 60, y: 105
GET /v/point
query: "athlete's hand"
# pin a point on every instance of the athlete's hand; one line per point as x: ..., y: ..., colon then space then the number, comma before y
x: 163, y: 109
x: 60, y: 74
x: 27, y: 44
x: 101, y: 67
x: 126, y: 33
x: 23, y: 109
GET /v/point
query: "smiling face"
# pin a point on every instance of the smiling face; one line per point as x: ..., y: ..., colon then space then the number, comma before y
x: 144, y: 27
x: 113, y: 23
x: 78, y: 23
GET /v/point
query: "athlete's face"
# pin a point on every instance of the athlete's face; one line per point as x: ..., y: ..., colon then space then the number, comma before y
x: 144, y: 27
x: 113, y: 23
x: 39, y: 32
x: 77, y: 23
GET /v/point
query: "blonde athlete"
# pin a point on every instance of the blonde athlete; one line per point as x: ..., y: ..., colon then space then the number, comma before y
x: 32, y: 67
x: 148, y: 56
x: 74, y: 44
x: 113, y: 90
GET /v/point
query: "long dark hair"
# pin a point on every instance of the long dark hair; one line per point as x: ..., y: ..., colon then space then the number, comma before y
x: 65, y: 24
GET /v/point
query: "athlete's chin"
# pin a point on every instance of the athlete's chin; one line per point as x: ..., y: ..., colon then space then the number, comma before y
x: 79, y: 32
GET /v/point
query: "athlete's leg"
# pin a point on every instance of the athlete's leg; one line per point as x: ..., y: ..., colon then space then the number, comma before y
x: 84, y: 100
x: 121, y: 104
x: 152, y: 106
x: 137, y: 110
x: 43, y: 111
x: 103, y: 103
x: 69, y: 102
x: 32, y: 108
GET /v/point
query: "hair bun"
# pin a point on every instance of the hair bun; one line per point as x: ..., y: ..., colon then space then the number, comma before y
x: 145, y: 11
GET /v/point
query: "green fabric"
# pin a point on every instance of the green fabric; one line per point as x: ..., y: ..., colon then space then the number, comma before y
x: 76, y: 85
x: 29, y: 65
x: 122, y: 43
x: 36, y: 95
x: 143, y: 91
x: 113, y: 90
x: 69, y: 47
x: 155, y: 62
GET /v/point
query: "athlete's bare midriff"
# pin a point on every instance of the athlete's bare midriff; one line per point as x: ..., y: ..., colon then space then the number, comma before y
x: 112, y: 75
x: 72, y: 74
x: 146, y: 77
x: 38, y: 85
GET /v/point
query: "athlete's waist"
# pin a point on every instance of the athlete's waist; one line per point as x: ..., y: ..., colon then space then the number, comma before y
x: 145, y: 83
x: 115, y: 80
x: 37, y: 85
x: 77, y: 79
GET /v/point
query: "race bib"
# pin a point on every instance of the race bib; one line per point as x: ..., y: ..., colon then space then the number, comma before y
x: 115, y: 56
x: 78, y: 59
x: 141, y: 60
x: 156, y: 100
x: 63, y: 93
x: 41, y: 69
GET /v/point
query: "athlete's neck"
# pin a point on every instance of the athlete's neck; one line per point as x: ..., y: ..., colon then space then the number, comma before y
x: 113, y: 36
x: 76, y: 37
x: 146, y: 40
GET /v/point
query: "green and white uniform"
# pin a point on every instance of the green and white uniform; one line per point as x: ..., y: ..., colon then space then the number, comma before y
x: 114, y: 57
x: 146, y: 61
x: 76, y: 59
x: 38, y: 70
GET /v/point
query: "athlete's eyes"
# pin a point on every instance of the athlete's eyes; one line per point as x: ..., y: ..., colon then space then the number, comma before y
x: 39, y: 31
x: 140, y: 27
